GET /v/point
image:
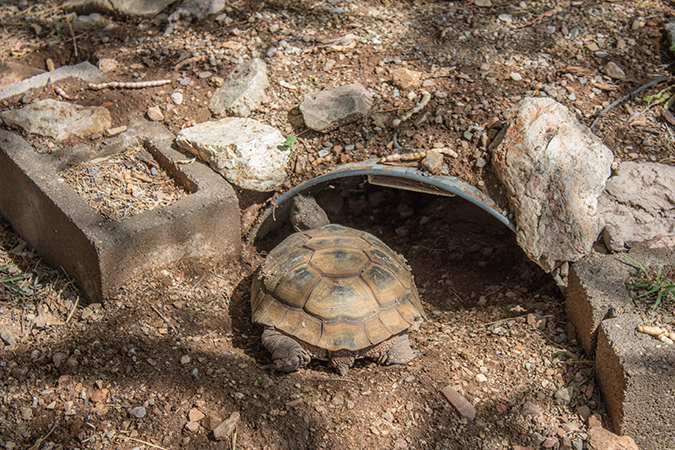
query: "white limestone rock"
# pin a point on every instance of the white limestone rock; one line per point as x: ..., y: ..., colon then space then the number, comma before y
x: 554, y: 169
x: 58, y: 120
x: 246, y: 152
x: 243, y: 91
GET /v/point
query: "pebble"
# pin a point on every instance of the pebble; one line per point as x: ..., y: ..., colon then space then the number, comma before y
x: 106, y: 65
x: 192, y: 426
x: 8, y: 337
x: 537, y: 439
x: 389, y: 417
x: 185, y: 359
x: 195, y: 415
x: 337, y: 400
x: 584, y: 412
x: 614, y: 71
x: 205, y: 74
x: 177, y: 98
x: 138, y: 412
x: 549, y: 442
x: 483, y: 3
x: 155, y: 114
x: 409, y: 379
x: 505, y: 18
x: 562, y: 396
x: 481, y: 378
x: 515, y: 76
x: 59, y: 358
x: 225, y: 429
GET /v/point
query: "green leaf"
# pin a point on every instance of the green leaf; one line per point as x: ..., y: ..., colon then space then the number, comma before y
x: 647, y: 98
x: 290, y: 140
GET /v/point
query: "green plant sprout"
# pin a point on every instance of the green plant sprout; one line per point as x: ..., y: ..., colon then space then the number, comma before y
x: 290, y: 140
x: 9, y: 281
x: 652, y: 284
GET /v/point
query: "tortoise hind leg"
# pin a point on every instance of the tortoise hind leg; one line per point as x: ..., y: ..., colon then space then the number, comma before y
x: 400, y: 351
x: 287, y: 353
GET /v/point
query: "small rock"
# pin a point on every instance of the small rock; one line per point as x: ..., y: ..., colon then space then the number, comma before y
x: 506, y: 18
x: 515, y: 76
x: 177, y: 98
x: 59, y: 358
x: 481, y: 378
x: 155, y: 114
x: 389, y: 417
x: 192, y: 426
x: 549, y: 442
x: 584, y: 412
x: 404, y: 78
x: 331, y: 108
x: 138, y: 412
x: 185, y: 359
x: 99, y: 395
x: 106, y: 65
x: 601, y: 439
x: 614, y: 71
x: 483, y: 3
x: 19, y: 372
x: 195, y: 415
x: 226, y: 428
x: 562, y: 396
x: 537, y: 439
x: 205, y: 74
x: 432, y: 162
x: 337, y: 400
x: 26, y: 413
x: 530, y: 409
x: 211, y: 421
x: 114, y: 132
x: 8, y: 337
x: 463, y: 406
x: 243, y: 91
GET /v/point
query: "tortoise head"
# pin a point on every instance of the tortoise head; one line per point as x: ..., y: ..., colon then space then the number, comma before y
x: 306, y: 214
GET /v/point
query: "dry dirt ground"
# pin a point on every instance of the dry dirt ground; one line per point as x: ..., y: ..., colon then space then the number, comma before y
x: 179, y: 341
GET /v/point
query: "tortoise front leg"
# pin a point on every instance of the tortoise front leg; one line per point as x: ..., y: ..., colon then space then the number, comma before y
x: 400, y: 351
x: 287, y: 353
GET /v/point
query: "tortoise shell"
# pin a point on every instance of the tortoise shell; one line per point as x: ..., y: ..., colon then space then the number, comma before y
x: 335, y: 288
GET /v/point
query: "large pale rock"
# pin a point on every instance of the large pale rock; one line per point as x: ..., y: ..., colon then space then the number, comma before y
x: 243, y: 91
x: 553, y: 169
x: 601, y: 439
x: 58, y: 120
x: 83, y: 71
x: 638, y: 206
x: 326, y: 110
x: 244, y: 151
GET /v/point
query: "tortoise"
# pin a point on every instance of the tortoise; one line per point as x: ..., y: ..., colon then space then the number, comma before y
x: 333, y: 293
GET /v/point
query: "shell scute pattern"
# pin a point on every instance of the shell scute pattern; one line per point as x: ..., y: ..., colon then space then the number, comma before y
x: 335, y: 288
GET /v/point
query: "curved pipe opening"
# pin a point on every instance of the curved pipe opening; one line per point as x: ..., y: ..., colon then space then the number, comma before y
x: 408, y: 178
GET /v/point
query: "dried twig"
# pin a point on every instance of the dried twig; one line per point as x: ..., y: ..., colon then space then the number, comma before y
x: 164, y: 318
x: 37, y: 444
x: 140, y: 441
x: 72, y: 33
x: 72, y: 311
x: 626, y: 97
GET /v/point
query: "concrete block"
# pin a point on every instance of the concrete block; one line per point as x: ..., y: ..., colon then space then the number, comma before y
x: 636, y: 374
x: 101, y: 255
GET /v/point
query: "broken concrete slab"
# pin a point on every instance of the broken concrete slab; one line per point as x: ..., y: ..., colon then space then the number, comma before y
x: 58, y: 120
x: 596, y: 289
x: 246, y: 152
x: 243, y: 91
x: 636, y: 372
x: 100, y: 254
x: 326, y: 110
x: 84, y: 71
x: 554, y: 169
x: 638, y: 206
